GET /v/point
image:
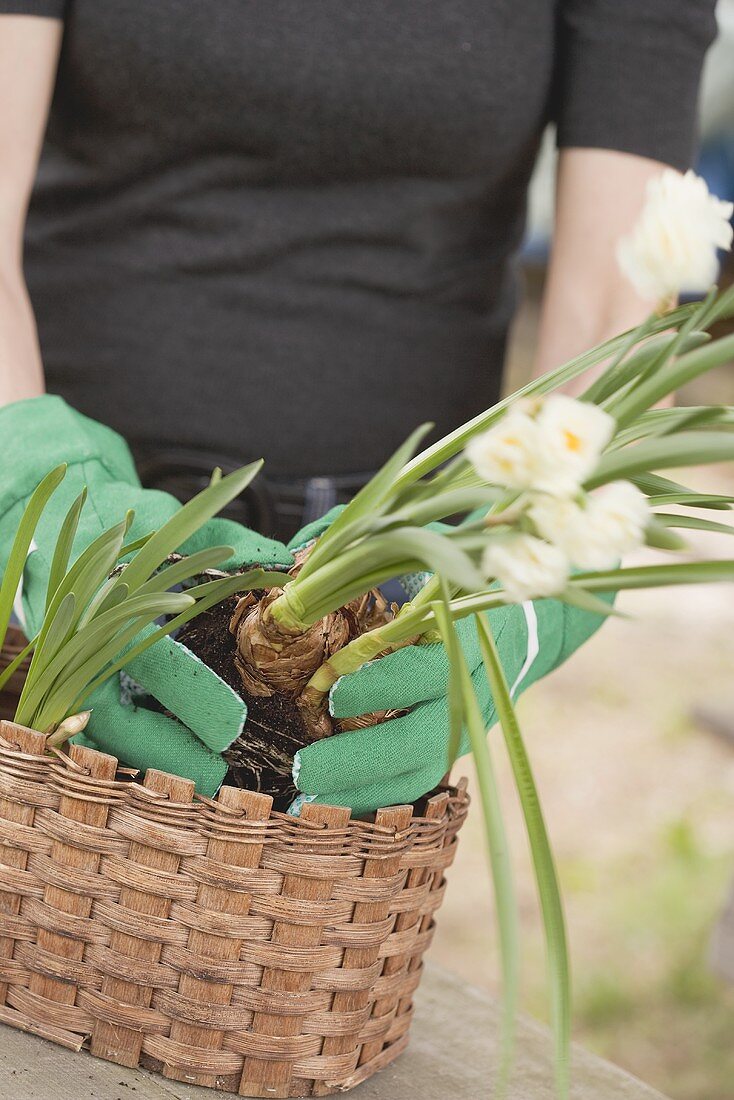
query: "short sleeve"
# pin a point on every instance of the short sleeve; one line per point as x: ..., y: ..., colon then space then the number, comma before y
x: 51, y: 9
x: 628, y: 75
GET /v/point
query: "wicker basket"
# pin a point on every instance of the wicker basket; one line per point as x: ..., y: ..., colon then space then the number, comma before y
x: 212, y: 940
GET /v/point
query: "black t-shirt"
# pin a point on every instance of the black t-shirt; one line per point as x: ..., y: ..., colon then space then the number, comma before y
x: 286, y: 227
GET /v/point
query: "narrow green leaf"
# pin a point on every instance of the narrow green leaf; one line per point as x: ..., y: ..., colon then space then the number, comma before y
x: 655, y: 576
x: 442, y: 506
x: 464, y: 708
x: 663, y: 453
x: 660, y: 537
x: 191, y: 566
x: 111, y: 594
x: 90, y: 570
x: 665, y: 421
x: 135, y: 545
x: 677, y: 374
x: 64, y: 543
x: 713, y: 501
x: 455, y: 685
x: 57, y: 631
x: 693, y: 523
x: 17, y: 661
x: 545, y: 871
x: 22, y: 542
x: 203, y: 597
x: 610, y: 580
x: 61, y: 697
x: 184, y: 523
x: 579, y: 597
x: 88, y: 643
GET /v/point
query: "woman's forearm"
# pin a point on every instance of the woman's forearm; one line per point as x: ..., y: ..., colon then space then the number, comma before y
x: 600, y: 194
x: 21, y: 372
x: 29, y: 52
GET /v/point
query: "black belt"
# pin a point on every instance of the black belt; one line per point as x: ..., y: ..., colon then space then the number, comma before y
x: 276, y: 507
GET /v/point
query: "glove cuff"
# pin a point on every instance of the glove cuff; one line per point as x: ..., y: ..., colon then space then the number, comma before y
x: 41, y: 433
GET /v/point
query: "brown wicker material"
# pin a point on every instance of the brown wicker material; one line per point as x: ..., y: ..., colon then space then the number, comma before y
x: 214, y: 941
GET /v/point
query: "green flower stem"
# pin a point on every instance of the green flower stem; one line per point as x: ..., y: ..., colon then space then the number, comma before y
x: 545, y: 872
x: 365, y: 648
x: 613, y: 580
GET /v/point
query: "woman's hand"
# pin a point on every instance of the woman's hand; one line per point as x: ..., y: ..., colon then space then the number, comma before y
x: 29, y: 51
x: 404, y: 758
x: 599, y: 196
x: 208, y: 714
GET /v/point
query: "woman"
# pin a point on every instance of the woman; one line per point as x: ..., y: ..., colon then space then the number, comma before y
x: 289, y: 230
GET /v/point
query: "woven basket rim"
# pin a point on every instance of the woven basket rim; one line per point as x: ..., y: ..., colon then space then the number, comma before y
x: 67, y: 771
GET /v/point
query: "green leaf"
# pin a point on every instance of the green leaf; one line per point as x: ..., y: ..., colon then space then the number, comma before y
x: 111, y: 594
x: 60, y: 699
x: 464, y: 707
x: 545, y: 871
x: 89, y: 572
x: 656, y: 350
x: 191, y: 566
x: 22, y: 542
x: 657, y: 487
x: 685, y: 449
x: 64, y: 543
x: 17, y: 661
x: 677, y: 374
x: 658, y: 536
x: 442, y: 506
x: 57, y: 631
x: 694, y: 523
x: 88, y: 643
x: 666, y: 421
x: 455, y: 685
x: 586, y: 601
x: 135, y: 545
x: 184, y: 523
x: 713, y: 501
x: 655, y: 576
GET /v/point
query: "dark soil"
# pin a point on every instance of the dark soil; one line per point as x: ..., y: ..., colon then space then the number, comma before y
x: 261, y: 759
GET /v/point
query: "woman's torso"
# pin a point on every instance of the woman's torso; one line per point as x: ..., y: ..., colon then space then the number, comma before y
x: 285, y: 228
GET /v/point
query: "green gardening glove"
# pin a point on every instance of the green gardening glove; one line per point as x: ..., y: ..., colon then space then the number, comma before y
x: 400, y: 760
x: 43, y: 432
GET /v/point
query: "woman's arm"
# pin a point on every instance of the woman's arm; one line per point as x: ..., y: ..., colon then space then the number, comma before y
x: 29, y: 50
x: 599, y: 196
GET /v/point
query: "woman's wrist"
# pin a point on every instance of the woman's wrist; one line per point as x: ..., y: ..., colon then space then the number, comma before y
x: 21, y: 370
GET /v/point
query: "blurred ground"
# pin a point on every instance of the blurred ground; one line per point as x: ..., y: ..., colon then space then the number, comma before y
x: 639, y: 798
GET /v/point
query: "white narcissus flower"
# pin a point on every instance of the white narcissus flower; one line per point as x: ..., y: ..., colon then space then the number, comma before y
x: 597, y: 530
x: 673, y: 246
x: 508, y: 453
x: 549, y: 445
x: 525, y: 566
x: 573, y: 435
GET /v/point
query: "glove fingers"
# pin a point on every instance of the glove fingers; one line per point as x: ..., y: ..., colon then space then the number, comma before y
x: 355, y: 759
x: 188, y: 688
x: 360, y: 775
x: 417, y: 674
x: 400, y: 790
x: 146, y: 739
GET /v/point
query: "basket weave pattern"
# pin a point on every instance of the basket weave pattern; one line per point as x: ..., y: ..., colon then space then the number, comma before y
x: 215, y: 941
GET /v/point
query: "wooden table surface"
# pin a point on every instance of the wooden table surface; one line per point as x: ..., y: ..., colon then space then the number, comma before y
x: 450, y: 1058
